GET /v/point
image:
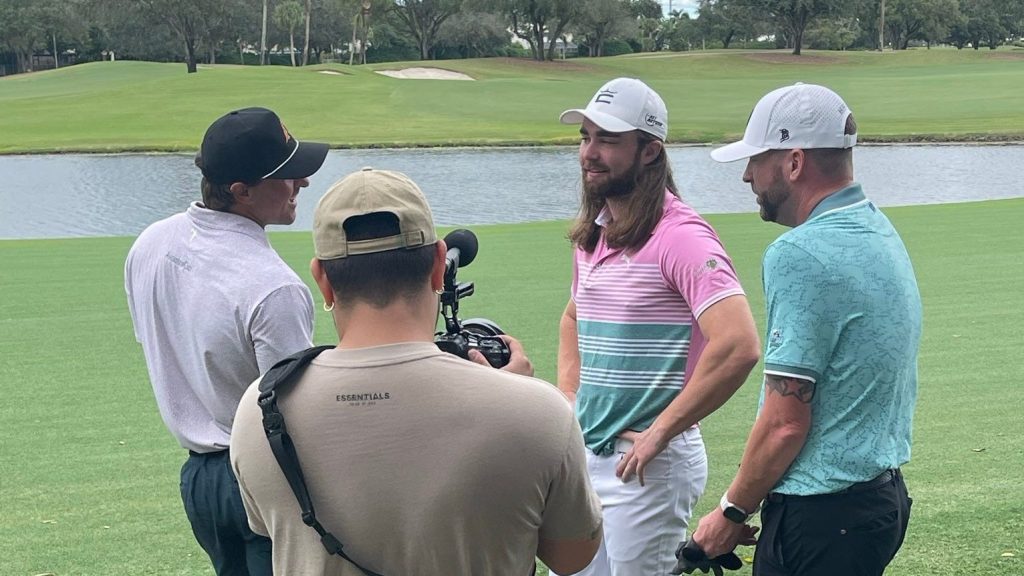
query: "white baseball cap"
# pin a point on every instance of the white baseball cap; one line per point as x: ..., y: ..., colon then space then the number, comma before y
x: 798, y: 116
x: 624, y: 105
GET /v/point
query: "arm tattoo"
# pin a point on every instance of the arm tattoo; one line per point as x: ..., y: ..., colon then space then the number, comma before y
x: 788, y: 386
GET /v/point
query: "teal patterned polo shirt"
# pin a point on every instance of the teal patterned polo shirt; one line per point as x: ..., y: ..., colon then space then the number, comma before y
x: 844, y: 311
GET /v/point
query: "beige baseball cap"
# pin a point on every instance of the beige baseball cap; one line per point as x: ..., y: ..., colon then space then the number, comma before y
x: 370, y: 191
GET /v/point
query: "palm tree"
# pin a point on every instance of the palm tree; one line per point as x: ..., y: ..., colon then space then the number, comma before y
x: 263, y: 36
x: 305, y: 50
x: 289, y: 15
x: 360, y: 31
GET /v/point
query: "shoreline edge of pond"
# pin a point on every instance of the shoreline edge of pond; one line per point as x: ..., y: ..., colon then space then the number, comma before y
x: 906, y: 140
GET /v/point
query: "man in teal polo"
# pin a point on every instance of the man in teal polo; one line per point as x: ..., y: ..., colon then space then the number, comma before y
x: 840, y: 361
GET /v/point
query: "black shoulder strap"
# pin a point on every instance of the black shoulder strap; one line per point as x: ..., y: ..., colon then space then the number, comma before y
x: 279, y: 376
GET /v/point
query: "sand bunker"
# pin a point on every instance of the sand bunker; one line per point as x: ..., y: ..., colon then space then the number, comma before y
x: 332, y: 72
x: 425, y: 74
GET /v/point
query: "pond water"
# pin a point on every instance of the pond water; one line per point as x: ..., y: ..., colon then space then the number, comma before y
x: 55, y: 196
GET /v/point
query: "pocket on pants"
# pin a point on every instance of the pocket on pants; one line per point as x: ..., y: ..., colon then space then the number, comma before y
x: 871, y: 545
x: 858, y: 532
x: 186, y: 485
x: 658, y: 469
x: 697, y: 460
x: 874, y: 525
x: 690, y: 461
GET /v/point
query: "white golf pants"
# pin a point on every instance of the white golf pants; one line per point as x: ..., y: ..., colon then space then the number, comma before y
x: 643, y: 525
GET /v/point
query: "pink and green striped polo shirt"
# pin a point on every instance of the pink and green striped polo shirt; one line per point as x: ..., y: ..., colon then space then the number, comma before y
x: 635, y: 313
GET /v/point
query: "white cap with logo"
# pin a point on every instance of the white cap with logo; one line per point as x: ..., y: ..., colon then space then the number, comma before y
x: 799, y: 116
x: 624, y: 105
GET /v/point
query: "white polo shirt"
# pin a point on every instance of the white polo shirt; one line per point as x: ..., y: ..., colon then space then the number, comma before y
x: 213, y: 306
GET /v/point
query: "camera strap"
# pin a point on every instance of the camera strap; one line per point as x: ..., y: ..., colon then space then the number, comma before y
x: 278, y: 377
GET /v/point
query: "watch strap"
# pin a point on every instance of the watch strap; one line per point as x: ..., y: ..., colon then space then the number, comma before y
x: 733, y: 512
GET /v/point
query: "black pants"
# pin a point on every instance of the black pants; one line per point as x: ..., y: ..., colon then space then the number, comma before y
x: 213, y: 504
x: 855, y: 533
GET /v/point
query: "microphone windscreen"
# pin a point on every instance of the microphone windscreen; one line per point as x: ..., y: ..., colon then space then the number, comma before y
x: 466, y: 242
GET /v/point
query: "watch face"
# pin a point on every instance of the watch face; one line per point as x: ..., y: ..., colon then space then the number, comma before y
x: 734, y: 514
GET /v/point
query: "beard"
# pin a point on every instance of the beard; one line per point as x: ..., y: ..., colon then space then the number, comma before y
x: 616, y: 187
x: 773, y: 197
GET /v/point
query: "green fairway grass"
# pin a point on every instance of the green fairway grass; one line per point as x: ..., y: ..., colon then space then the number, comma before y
x: 939, y: 94
x: 89, y: 474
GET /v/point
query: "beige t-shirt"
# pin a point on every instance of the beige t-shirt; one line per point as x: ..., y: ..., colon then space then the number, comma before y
x: 420, y: 463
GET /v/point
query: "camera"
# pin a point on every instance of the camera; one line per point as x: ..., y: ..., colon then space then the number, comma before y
x: 459, y: 338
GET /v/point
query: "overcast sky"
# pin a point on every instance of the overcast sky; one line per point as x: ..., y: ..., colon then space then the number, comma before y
x: 687, y: 5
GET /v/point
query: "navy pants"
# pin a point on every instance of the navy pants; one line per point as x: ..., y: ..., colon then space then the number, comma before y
x: 213, y: 504
x: 853, y: 533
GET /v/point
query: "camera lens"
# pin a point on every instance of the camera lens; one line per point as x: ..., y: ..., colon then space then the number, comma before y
x: 481, y: 327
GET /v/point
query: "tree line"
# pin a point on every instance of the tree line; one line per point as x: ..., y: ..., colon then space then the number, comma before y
x: 47, y: 33
x: 850, y: 24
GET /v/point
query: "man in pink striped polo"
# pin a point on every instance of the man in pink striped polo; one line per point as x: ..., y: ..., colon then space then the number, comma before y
x: 657, y: 335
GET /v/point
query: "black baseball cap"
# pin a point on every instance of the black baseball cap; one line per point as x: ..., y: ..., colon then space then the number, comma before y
x: 252, y: 144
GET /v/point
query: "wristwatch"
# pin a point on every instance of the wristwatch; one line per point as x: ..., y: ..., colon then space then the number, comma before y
x: 734, y: 512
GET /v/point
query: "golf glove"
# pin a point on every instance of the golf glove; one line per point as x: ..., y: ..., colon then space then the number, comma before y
x: 691, y: 557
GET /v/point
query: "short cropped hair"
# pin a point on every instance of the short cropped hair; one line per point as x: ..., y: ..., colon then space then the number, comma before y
x: 381, y: 278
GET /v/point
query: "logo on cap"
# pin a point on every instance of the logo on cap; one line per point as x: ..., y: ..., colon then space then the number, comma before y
x: 783, y: 135
x: 605, y: 96
x: 652, y: 120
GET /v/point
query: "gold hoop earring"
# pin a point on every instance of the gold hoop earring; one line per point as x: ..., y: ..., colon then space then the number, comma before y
x: 439, y: 291
x: 328, y: 308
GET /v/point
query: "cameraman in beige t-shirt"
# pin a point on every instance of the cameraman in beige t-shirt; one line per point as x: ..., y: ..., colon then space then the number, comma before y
x: 419, y: 462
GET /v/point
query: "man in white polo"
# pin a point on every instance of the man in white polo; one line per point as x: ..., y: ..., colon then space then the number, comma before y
x: 214, y: 306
